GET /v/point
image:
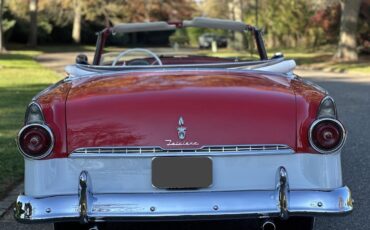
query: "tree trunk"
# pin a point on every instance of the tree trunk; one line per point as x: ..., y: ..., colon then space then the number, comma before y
x: 32, y: 39
x: 147, y: 7
x: 347, y: 47
x: 231, y: 37
x: 2, y: 47
x: 237, y: 14
x: 76, y: 31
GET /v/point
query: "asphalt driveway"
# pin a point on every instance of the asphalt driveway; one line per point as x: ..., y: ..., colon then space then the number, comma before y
x: 352, y: 95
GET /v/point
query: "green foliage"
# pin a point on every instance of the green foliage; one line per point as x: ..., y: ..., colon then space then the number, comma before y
x: 190, y: 35
x: 8, y: 24
x: 21, y: 78
x: 193, y: 34
x: 180, y: 37
x: 326, y: 20
x: 55, y: 17
x: 216, y: 8
x: 286, y: 21
x: 18, y: 8
x: 154, y: 10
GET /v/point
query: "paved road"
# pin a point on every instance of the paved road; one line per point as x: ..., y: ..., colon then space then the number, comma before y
x: 352, y: 95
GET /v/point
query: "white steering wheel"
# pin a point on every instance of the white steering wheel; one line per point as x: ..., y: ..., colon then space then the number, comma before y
x: 122, y: 54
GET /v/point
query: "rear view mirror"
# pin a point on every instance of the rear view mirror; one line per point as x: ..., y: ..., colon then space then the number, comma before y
x: 82, y: 59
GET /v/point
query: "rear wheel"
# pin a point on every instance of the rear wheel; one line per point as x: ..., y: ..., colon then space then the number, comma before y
x: 299, y: 223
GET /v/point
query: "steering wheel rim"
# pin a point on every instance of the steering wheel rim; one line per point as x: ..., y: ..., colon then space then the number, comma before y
x: 122, y: 54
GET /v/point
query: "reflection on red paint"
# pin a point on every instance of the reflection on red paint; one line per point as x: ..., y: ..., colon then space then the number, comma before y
x: 218, y: 107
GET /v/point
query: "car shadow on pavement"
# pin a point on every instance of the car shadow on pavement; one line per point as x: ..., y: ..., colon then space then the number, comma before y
x: 199, y: 225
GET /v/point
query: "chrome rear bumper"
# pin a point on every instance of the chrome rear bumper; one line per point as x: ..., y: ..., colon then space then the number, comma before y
x: 89, y: 207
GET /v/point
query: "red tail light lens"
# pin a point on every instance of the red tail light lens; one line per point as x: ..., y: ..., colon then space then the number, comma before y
x: 35, y: 141
x: 327, y: 135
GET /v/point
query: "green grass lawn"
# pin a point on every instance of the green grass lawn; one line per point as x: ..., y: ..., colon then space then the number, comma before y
x: 20, y: 79
x: 56, y: 48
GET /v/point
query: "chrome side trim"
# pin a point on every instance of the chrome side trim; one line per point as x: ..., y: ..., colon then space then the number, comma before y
x: 310, y: 138
x: 203, y: 151
x: 51, y: 144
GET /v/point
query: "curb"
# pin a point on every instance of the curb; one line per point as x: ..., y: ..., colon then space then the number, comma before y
x: 326, y: 70
x: 9, y: 200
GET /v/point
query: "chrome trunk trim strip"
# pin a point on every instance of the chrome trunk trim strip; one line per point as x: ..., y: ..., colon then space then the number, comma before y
x: 215, y: 150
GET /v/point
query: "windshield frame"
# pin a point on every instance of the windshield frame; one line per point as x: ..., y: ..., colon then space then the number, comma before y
x: 103, y: 35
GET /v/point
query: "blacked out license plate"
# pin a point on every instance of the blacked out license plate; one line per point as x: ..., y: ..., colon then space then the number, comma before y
x: 181, y: 172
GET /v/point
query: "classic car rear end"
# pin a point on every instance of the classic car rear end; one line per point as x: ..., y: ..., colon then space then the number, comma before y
x: 182, y: 143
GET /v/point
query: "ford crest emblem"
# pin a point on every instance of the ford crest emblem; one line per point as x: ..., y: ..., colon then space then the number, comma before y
x: 181, y: 130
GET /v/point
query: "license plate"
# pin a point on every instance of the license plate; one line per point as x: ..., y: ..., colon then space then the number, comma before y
x: 181, y: 172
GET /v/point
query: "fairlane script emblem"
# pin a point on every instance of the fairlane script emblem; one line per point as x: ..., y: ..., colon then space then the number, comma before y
x: 181, y: 130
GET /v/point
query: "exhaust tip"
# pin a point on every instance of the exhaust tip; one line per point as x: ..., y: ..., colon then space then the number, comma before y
x: 268, y: 225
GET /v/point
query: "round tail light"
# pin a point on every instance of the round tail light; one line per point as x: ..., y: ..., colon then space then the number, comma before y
x: 35, y: 141
x: 327, y: 135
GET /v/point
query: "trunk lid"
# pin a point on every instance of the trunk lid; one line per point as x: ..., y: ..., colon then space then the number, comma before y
x: 154, y: 108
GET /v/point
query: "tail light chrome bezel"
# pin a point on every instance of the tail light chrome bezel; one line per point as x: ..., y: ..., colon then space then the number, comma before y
x: 47, y: 153
x: 323, y: 151
x: 322, y: 112
x: 38, y: 112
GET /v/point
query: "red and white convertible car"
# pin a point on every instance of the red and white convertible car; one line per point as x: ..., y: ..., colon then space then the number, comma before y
x: 168, y: 137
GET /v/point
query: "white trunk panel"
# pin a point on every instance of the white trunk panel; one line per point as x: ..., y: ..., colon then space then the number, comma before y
x: 230, y: 173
